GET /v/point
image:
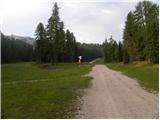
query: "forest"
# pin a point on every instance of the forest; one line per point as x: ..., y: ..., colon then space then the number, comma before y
x: 54, y: 44
x: 140, y: 36
x: 14, y: 50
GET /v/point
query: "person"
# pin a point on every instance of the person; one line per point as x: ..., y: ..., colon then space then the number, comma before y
x: 79, y: 61
x: 80, y: 57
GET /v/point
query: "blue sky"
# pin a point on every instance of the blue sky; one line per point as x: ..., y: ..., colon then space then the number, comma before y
x: 91, y: 21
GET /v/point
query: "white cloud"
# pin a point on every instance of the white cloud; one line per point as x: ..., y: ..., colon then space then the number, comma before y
x: 90, y: 20
x: 93, y: 22
x: 106, y: 11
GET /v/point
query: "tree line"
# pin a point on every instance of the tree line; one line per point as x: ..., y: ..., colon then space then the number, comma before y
x: 14, y: 50
x: 54, y: 44
x: 140, y: 36
x: 112, y: 51
x: 89, y: 51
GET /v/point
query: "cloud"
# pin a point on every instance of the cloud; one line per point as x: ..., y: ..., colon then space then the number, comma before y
x: 93, y: 22
x: 90, y: 21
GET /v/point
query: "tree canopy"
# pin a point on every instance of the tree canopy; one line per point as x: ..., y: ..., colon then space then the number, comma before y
x: 54, y: 44
x: 140, y: 36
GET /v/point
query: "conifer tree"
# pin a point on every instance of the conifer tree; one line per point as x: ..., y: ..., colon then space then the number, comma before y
x: 120, y: 52
x: 152, y: 34
x: 141, y: 38
x: 129, y: 37
x: 52, y: 30
x: 61, y: 43
x: 40, y: 43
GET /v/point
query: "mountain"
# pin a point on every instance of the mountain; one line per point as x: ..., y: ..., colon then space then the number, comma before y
x: 16, y: 49
x: 28, y: 40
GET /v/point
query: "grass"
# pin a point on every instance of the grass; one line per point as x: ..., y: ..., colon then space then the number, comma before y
x: 99, y: 61
x: 145, y: 72
x: 55, y: 98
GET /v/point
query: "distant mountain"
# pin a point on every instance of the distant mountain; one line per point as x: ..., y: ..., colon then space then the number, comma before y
x: 16, y: 49
x: 28, y: 40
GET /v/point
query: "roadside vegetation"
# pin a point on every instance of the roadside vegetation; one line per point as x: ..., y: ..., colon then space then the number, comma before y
x: 145, y: 72
x: 140, y: 43
x: 99, y: 61
x: 140, y: 37
x: 53, y: 92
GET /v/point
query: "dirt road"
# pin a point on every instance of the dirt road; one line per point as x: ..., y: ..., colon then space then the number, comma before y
x: 114, y: 95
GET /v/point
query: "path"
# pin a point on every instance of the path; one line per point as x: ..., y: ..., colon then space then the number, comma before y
x: 114, y: 95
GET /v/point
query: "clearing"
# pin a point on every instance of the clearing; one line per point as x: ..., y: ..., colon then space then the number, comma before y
x: 114, y: 95
x: 42, y: 91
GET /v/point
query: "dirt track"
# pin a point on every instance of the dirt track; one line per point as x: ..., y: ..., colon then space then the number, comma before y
x: 114, y: 95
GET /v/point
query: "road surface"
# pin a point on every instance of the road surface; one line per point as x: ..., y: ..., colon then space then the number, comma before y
x: 114, y: 95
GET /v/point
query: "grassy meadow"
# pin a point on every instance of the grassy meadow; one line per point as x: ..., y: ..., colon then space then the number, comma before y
x: 42, y: 91
x: 146, y: 73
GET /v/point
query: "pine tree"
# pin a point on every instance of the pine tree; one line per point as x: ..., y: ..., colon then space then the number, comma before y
x: 106, y: 51
x: 141, y: 38
x: 152, y: 34
x: 129, y: 37
x: 40, y: 43
x: 141, y: 16
x: 53, y: 29
x: 61, y: 43
x: 73, y: 47
x: 120, y: 52
x: 126, y: 58
x: 110, y: 50
x: 113, y: 49
x: 70, y: 47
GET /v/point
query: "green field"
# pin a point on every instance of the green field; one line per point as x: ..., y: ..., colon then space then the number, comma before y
x: 42, y: 91
x: 99, y: 61
x: 145, y: 72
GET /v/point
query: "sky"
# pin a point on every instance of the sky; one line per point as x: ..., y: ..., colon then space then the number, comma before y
x: 91, y: 21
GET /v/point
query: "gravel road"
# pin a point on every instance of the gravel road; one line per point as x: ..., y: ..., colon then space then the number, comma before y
x: 114, y: 95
